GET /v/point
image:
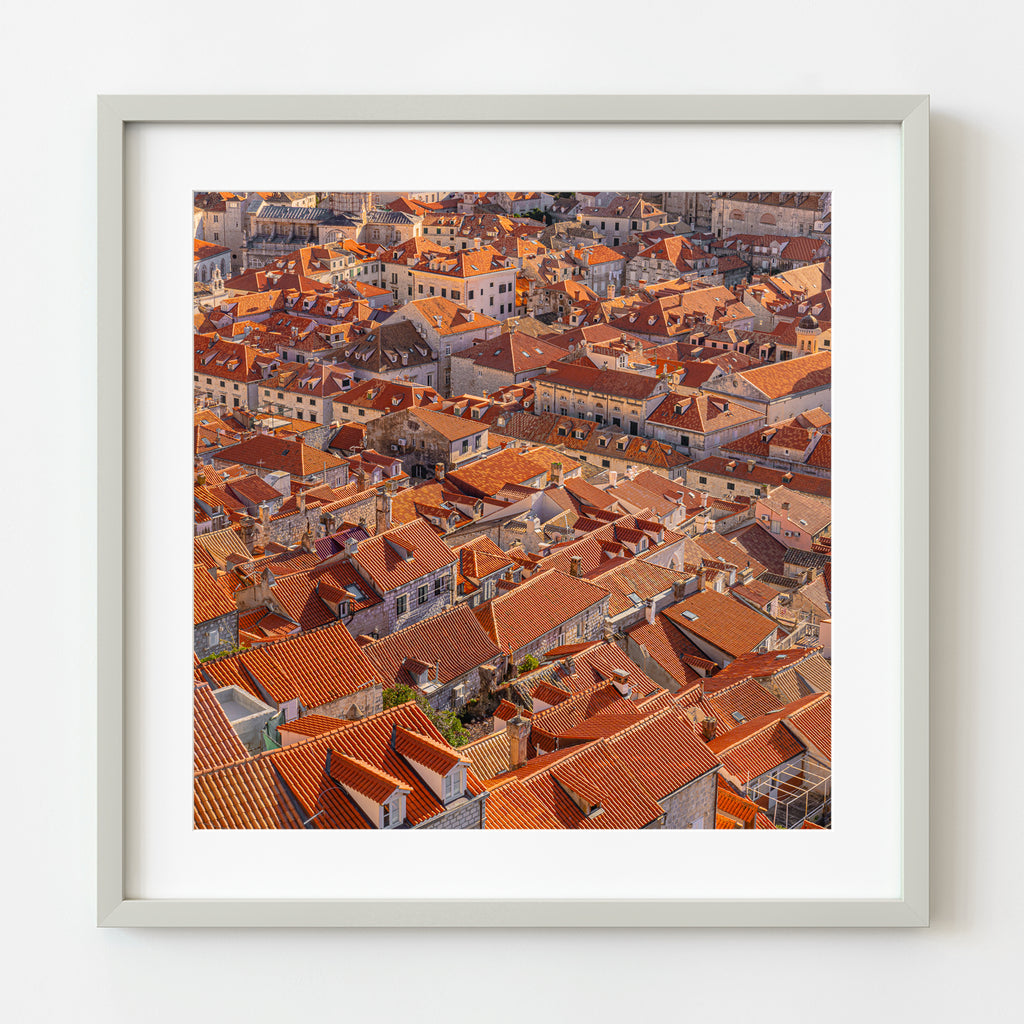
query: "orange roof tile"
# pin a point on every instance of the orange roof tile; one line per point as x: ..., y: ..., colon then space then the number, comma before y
x: 215, y: 743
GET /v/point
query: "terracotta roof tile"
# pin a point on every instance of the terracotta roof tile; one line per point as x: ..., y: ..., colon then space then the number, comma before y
x: 722, y: 621
x: 215, y: 743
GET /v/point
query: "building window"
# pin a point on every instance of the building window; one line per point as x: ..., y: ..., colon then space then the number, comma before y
x: 605, y: 463
x: 419, y: 289
x: 437, y: 587
x: 730, y: 486
x: 703, y: 479
x: 465, y: 446
x: 471, y: 293
x: 401, y: 604
x: 421, y: 594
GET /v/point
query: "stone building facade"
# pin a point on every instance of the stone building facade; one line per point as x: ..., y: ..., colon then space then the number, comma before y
x: 693, y: 806
x: 468, y: 814
x: 215, y: 636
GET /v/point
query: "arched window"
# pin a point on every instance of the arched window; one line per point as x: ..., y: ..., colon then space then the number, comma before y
x: 767, y: 218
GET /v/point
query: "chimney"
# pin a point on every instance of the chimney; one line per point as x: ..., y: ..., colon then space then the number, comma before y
x: 650, y: 611
x: 611, y: 291
x: 701, y: 576
x: 709, y: 729
x: 678, y: 590
x: 556, y: 474
x: 620, y: 680
x: 383, y: 509
x: 394, y: 735
x: 575, y: 566
x: 264, y: 515
x: 438, y: 470
x: 301, y: 501
x: 613, y: 477
x: 518, y: 729
x: 750, y: 465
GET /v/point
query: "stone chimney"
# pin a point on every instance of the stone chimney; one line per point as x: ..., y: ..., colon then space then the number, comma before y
x: 306, y: 540
x: 575, y: 566
x: 438, y: 470
x: 613, y: 477
x: 383, y: 509
x: 611, y: 290
x: 650, y: 610
x: 709, y: 729
x: 678, y: 590
x: 531, y: 542
x: 249, y: 532
x: 556, y: 474
x: 300, y: 500
x: 620, y: 680
x: 518, y: 734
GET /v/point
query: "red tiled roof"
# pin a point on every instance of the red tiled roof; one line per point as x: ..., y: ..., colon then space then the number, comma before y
x: 317, y: 667
x: 438, y: 757
x: 757, y: 666
x: 722, y: 621
x: 512, y: 353
x: 750, y: 753
x: 717, y: 466
x: 314, y: 725
x: 511, y: 804
x: 290, y: 455
x: 370, y: 782
x: 249, y: 794
x: 671, y: 649
x: 486, y: 477
x: 215, y: 743
x: 210, y: 599
x: 618, y: 383
x: 790, y: 377
x: 813, y: 722
x: 302, y: 767
x: 387, y: 569
x: 453, y: 640
x: 518, y: 618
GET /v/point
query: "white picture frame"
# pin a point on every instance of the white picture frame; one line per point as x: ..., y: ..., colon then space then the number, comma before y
x: 116, y: 908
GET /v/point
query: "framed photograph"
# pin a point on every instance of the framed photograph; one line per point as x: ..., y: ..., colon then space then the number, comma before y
x: 511, y: 511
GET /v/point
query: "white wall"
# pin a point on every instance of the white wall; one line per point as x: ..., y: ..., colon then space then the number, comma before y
x: 60, y: 966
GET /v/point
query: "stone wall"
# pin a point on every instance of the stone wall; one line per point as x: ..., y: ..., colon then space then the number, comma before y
x: 226, y: 628
x: 697, y: 801
x: 470, y: 379
x: 591, y: 620
x: 471, y: 814
x: 361, y: 704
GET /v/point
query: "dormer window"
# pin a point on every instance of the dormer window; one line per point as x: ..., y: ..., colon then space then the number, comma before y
x: 454, y: 783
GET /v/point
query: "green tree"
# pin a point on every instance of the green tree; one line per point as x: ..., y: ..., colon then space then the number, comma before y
x: 447, y: 723
x: 396, y: 695
x: 528, y: 664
